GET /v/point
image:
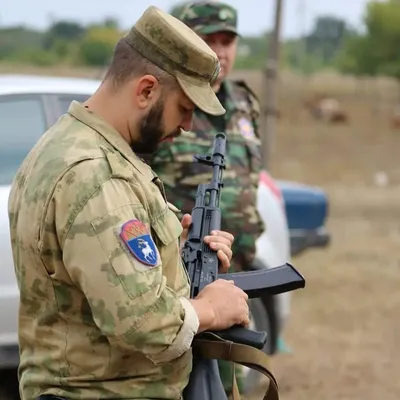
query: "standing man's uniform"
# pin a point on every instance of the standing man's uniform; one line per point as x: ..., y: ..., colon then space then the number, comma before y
x: 173, y: 162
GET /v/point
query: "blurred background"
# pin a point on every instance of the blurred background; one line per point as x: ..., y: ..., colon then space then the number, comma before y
x: 337, y: 128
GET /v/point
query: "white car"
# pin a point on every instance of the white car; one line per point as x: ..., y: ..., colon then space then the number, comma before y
x: 28, y: 106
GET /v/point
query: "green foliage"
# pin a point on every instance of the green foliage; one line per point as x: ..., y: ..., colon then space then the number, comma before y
x: 252, y: 52
x: 64, y: 42
x: 320, y: 48
x: 97, y: 46
x: 330, y: 43
x: 112, y: 23
x: 326, y: 38
x: 62, y: 32
x: 377, y: 52
x: 39, y: 57
x: 18, y: 39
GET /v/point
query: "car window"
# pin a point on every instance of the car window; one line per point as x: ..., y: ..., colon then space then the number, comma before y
x: 66, y: 100
x: 22, y: 122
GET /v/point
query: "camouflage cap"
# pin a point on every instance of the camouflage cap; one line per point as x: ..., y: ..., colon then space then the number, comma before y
x: 174, y: 47
x: 206, y: 17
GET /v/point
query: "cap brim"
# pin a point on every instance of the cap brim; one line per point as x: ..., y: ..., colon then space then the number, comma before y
x: 210, y: 29
x: 202, y: 94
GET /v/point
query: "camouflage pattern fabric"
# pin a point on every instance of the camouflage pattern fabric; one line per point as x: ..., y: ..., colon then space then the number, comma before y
x: 244, y: 156
x: 207, y: 17
x: 173, y: 162
x: 104, y: 311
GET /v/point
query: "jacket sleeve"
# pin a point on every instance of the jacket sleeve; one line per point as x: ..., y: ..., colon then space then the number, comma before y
x: 110, y: 252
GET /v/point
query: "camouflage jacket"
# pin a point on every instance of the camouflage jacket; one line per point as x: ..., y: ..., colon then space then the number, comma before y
x: 173, y: 162
x: 104, y: 312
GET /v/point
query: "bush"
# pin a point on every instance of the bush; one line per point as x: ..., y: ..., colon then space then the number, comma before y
x: 98, y: 44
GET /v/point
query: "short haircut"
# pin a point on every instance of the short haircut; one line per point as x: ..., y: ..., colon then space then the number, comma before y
x: 127, y: 63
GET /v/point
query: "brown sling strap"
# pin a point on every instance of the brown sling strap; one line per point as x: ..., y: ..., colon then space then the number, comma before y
x: 220, y: 349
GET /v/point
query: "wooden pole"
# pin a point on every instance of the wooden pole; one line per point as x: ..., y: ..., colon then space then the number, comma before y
x: 270, y: 91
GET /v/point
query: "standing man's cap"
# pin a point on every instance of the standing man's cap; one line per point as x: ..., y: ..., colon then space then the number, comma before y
x: 175, y: 48
x: 207, y: 17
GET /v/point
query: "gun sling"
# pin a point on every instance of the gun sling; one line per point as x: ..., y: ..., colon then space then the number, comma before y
x: 248, y: 356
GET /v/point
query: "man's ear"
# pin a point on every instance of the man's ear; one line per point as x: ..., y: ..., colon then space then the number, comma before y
x: 146, y: 91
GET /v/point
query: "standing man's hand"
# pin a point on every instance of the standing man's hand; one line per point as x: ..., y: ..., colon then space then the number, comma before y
x: 186, y: 221
x: 219, y: 241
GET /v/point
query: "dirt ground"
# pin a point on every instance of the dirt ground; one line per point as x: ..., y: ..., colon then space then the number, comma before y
x: 343, y: 327
x: 343, y: 330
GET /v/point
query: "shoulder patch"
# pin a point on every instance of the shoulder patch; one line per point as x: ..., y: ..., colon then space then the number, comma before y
x: 137, y: 239
x: 246, y: 128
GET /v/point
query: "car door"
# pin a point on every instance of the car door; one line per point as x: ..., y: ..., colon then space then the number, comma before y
x: 59, y: 103
x: 23, y: 120
x: 65, y: 100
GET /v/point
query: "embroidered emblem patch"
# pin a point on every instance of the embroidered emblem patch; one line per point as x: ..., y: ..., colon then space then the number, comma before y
x: 246, y: 128
x: 135, y: 235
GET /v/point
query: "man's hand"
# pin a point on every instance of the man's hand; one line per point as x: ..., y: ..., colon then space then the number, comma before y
x: 219, y: 241
x: 221, y: 305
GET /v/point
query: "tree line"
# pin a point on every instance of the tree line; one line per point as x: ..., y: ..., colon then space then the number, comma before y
x: 331, y: 43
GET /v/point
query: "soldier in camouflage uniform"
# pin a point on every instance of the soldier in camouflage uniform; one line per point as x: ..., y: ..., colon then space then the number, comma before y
x: 104, y: 297
x: 216, y: 23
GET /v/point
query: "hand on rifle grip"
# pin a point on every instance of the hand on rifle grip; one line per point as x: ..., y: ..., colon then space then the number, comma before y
x: 221, y: 305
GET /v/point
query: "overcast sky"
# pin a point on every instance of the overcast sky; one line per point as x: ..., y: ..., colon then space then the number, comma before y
x: 255, y: 16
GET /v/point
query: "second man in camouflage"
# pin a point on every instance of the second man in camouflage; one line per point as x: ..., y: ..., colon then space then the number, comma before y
x: 216, y: 23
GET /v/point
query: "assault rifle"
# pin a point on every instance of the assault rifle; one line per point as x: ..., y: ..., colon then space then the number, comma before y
x: 237, y: 343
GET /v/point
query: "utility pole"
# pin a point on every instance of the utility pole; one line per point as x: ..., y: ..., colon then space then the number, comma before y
x: 270, y: 98
x: 301, y: 51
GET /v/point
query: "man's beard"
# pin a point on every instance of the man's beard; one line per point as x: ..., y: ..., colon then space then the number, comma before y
x: 152, y: 131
